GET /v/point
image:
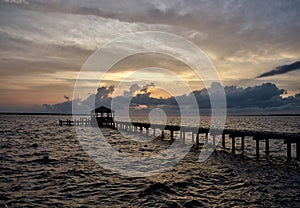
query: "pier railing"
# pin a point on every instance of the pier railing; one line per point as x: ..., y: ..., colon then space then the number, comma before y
x: 233, y: 135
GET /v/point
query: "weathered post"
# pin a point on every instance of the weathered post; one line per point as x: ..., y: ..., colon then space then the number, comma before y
x: 289, y: 151
x: 214, y: 140
x: 162, y: 134
x: 172, y: 134
x: 193, y: 138
x: 223, y: 141
x: 267, y: 147
x: 298, y: 151
x: 243, y: 143
x: 233, y: 144
x: 257, y: 147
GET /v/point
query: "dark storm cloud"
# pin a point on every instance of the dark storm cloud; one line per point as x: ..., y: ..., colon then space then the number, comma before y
x: 262, y: 96
x: 102, y: 97
x: 266, y: 96
x: 281, y: 70
x: 133, y: 88
x: 64, y: 107
x: 145, y: 89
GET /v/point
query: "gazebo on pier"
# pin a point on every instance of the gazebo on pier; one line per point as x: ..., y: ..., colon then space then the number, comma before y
x: 103, y: 117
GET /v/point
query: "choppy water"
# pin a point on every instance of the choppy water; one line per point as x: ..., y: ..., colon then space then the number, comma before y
x: 285, y: 124
x: 44, y: 165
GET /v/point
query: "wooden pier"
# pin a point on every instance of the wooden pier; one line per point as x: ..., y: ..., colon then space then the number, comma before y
x: 66, y: 122
x: 233, y: 135
x: 76, y: 122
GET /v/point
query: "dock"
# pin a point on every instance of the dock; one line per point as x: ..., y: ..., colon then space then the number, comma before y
x: 233, y: 135
x: 78, y: 122
x: 66, y: 122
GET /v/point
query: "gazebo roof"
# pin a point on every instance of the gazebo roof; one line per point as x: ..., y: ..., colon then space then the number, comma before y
x: 102, y: 109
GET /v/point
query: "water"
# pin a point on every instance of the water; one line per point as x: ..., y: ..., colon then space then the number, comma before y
x: 44, y: 165
x: 285, y: 124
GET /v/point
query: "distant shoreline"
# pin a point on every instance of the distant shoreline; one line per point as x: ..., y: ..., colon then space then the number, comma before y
x: 45, y: 114
x: 265, y: 114
x: 69, y: 114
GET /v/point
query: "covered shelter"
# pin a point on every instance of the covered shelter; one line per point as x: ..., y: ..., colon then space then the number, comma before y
x: 103, y: 117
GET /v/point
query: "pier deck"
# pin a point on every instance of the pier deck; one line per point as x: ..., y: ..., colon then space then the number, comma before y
x: 258, y: 136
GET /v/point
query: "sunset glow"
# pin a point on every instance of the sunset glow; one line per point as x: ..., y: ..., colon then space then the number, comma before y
x: 44, y: 46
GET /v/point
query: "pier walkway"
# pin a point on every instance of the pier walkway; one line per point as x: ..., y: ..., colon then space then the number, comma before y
x: 210, y: 135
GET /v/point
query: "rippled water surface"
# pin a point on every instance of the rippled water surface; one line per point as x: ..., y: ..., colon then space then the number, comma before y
x: 44, y: 165
x: 286, y: 124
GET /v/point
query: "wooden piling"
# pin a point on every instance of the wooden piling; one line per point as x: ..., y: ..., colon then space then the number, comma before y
x: 214, y: 140
x: 233, y: 144
x: 257, y: 148
x: 298, y: 151
x: 289, y: 151
x: 162, y: 134
x: 172, y: 135
x: 197, y: 140
x: 243, y: 143
x: 267, y: 147
x: 223, y: 141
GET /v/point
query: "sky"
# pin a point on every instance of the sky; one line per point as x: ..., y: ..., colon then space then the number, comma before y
x: 254, y: 46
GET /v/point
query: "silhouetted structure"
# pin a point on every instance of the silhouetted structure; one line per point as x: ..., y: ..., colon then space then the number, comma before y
x: 103, y: 117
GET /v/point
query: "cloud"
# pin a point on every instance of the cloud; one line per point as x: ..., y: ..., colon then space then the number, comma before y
x: 281, y: 70
x: 145, y: 89
x: 241, y: 37
x: 64, y: 107
x: 265, y: 97
x: 102, y: 97
x: 16, y: 1
x: 133, y: 89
